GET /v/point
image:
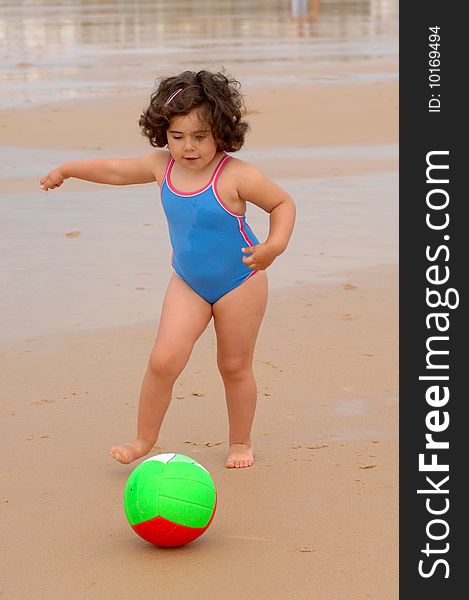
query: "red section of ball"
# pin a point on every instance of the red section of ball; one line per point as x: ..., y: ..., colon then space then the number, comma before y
x: 161, y: 532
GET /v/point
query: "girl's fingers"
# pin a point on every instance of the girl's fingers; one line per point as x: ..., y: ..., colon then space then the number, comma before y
x: 48, y: 185
x: 250, y: 262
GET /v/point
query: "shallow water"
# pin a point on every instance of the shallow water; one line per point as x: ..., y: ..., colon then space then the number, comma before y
x: 76, y: 48
x: 115, y: 271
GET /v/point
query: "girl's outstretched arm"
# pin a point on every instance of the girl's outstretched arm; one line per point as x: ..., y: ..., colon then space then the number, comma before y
x: 113, y: 171
x: 261, y: 191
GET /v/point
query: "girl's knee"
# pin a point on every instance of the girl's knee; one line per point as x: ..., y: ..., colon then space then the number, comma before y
x: 165, y: 365
x: 234, y: 367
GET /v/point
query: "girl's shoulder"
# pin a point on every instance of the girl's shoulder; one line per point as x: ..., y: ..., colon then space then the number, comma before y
x: 241, y: 168
x: 243, y: 173
x: 158, y: 160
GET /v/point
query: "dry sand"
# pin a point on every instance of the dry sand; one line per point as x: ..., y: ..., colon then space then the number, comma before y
x: 316, y: 517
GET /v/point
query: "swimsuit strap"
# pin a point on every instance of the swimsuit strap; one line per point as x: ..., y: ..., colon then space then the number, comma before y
x: 221, y: 165
x: 169, y: 165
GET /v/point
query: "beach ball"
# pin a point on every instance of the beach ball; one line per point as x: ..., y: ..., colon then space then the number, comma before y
x: 169, y: 499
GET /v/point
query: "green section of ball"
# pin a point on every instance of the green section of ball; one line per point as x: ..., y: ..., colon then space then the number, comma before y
x: 177, y: 489
x: 141, y: 492
x: 187, y: 494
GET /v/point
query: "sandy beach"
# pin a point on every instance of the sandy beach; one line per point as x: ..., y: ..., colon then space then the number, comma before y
x: 317, y: 515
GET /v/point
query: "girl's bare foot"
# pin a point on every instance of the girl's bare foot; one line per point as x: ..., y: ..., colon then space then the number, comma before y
x: 127, y: 453
x: 240, y: 456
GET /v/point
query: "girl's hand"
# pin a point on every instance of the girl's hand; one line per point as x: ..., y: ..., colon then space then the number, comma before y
x: 261, y: 256
x: 53, y: 180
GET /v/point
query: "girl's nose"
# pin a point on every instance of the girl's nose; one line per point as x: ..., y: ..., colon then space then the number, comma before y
x: 188, y: 144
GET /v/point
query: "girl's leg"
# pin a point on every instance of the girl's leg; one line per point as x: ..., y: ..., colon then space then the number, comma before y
x: 184, y: 317
x: 237, y: 317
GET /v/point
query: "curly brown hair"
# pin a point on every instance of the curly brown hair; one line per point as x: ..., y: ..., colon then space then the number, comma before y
x: 215, y: 94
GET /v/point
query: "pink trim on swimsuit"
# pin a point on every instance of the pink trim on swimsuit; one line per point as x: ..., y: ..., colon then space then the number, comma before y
x: 203, y: 189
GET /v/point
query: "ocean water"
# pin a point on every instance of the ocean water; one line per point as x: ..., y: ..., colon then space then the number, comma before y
x: 112, y: 267
x: 57, y: 50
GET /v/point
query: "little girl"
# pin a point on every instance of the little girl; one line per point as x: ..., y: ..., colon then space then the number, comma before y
x: 219, y: 265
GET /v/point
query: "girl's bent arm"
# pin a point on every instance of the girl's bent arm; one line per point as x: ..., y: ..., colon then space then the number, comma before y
x: 113, y: 171
x: 266, y: 194
x: 282, y: 219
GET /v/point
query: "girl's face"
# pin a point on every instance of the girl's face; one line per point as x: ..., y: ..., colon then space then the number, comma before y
x: 190, y: 141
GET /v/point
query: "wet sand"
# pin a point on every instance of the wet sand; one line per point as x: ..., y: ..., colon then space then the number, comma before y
x: 340, y: 164
x: 316, y: 517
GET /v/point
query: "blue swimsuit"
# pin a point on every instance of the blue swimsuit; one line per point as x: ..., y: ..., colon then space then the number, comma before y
x: 206, y: 237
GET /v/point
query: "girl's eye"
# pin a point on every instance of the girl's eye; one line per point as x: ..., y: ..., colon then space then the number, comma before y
x: 177, y: 137
x: 199, y: 137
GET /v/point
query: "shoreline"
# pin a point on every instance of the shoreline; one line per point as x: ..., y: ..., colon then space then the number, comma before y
x: 339, y: 163
x: 350, y: 123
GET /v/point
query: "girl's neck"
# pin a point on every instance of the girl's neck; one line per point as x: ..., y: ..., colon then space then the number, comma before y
x: 188, y: 180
